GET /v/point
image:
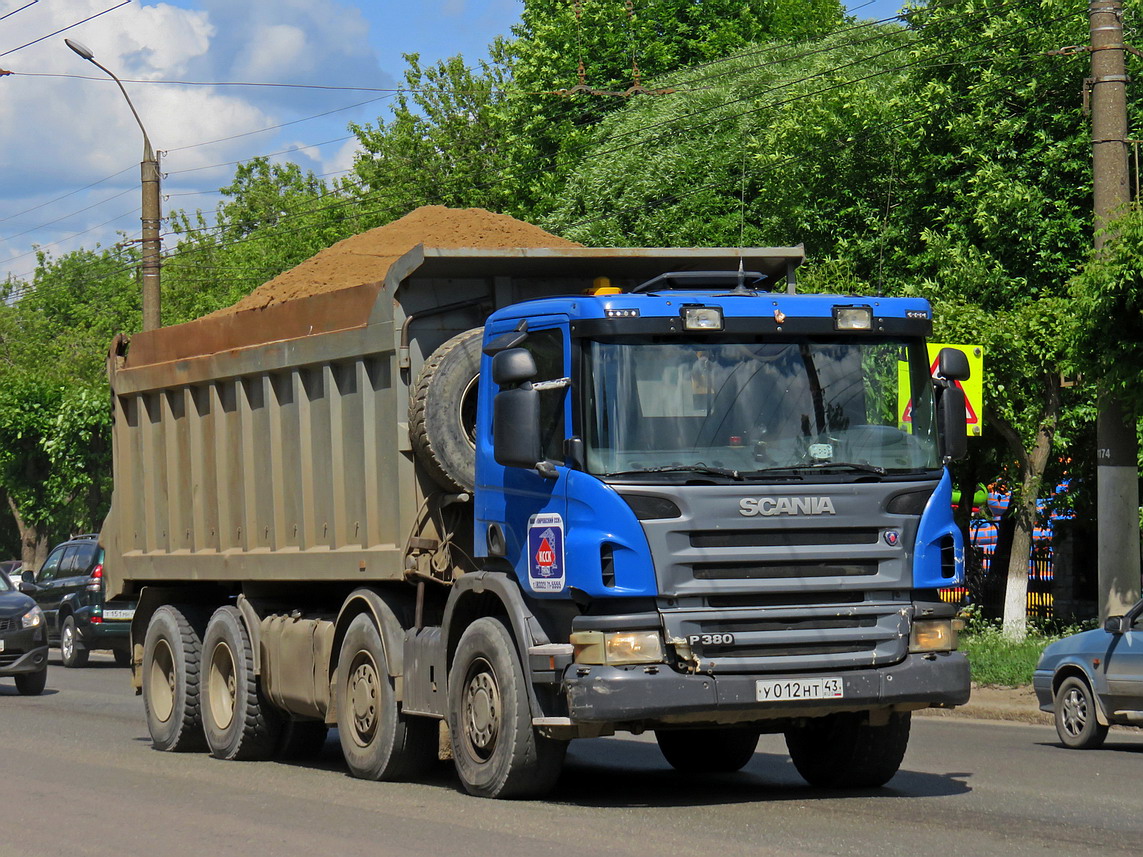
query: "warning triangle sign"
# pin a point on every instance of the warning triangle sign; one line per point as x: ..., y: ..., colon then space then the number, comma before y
x: 971, y: 417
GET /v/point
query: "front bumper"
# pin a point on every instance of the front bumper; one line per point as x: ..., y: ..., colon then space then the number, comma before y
x: 658, y: 694
x: 30, y: 660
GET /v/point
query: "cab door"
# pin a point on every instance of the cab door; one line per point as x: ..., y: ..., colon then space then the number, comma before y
x: 520, y: 513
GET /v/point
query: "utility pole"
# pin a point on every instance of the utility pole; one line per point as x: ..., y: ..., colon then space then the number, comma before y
x: 1117, y: 476
x: 152, y: 216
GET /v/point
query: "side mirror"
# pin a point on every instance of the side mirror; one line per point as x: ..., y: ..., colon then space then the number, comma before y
x: 26, y: 586
x: 514, y: 366
x: 516, y: 426
x: 1115, y: 624
x: 951, y: 414
x: 952, y: 365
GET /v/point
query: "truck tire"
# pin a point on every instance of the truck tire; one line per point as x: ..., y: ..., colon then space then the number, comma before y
x: 496, y: 751
x: 73, y: 653
x: 1076, y: 720
x: 707, y: 751
x: 377, y: 740
x: 238, y: 721
x: 172, y: 651
x: 442, y: 412
x: 32, y: 684
x: 842, y: 750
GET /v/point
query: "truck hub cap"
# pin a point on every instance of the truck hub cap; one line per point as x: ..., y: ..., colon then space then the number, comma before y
x: 363, y: 691
x: 161, y: 682
x: 482, y: 711
x: 222, y: 686
x: 1075, y: 712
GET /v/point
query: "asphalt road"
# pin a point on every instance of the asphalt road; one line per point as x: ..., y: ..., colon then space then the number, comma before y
x: 78, y: 777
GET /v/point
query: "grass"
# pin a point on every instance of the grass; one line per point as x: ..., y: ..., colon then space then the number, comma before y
x: 999, y: 661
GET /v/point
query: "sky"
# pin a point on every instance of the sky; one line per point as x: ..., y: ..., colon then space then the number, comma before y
x: 70, y: 147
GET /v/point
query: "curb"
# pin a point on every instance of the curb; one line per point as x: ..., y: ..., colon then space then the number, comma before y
x: 1012, y: 704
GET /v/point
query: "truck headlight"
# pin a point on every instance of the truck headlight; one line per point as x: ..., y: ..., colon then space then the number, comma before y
x: 34, y: 618
x: 617, y: 647
x: 934, y: 635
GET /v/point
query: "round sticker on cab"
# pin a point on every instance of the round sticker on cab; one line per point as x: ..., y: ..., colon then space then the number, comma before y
x: 546, y: 553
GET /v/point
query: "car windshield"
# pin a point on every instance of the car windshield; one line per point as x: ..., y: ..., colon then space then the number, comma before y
x: 756, y: 409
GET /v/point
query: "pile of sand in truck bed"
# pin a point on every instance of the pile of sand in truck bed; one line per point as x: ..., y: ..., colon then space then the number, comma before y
x: 366, y: 258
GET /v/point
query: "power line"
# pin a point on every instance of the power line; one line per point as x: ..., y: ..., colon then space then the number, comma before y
x: 66, y: 195
x: 21, y: 9
x: 64, y: 29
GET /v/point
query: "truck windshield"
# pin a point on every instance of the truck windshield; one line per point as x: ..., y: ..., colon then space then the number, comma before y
x: 753, y: 408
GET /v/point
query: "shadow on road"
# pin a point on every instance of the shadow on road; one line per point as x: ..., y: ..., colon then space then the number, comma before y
x: 615, y: 772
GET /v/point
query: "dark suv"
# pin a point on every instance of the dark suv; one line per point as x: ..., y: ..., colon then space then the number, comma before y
x: 69, y: 589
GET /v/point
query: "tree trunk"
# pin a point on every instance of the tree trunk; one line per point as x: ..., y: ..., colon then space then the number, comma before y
x: 1032, y: 465
x: 33, y: 544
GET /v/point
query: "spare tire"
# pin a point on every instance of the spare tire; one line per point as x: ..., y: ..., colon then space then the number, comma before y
x: 442, y: 412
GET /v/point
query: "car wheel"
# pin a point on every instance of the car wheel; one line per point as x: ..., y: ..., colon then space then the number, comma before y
x: 1076, y: 720
x: 122, y: 658
x: 72, y: 652
x: 32, y: 684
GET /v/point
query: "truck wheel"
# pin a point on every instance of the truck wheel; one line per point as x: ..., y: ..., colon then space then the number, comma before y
x: 707, y: 751
x: 32, y: 684
x: 238, y: 721
x: 843, y: 751
x: 377, y: 740
x: 72, y: 652
x: 442, y: 412
x: 172, y: 650
x: 496, y: 751
x: 1076, y: 721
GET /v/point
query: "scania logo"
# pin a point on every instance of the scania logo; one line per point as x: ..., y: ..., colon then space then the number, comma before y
x: 769, y: 506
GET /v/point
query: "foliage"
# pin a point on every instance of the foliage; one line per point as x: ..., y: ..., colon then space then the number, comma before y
x: 1108, y: 295
x: 274, y: 217
x: 995, y: 659
x: 443, y: 146
x: 620, y: 46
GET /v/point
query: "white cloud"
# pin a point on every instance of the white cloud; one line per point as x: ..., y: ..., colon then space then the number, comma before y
x: 58, y: 134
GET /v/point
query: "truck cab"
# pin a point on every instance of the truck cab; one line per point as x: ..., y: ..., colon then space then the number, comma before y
x: 708, y: 491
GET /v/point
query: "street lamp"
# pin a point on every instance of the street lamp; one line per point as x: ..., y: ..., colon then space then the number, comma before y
x: 152, y: 214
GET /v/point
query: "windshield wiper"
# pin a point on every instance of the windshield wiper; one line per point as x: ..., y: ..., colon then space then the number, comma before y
x: 682, y: 468
x: 824, y: 465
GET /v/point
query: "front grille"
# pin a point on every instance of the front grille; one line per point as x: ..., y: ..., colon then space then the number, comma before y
x: 780, y: 571
x: 793, y: 637
x: 776, y: 538
x: 9, y: 624
x: 9, y: 658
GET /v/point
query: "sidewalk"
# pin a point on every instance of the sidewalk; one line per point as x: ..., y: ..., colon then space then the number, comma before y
x: 997, y: 703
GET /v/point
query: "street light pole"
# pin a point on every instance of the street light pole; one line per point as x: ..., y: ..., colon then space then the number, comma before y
x: 152, y: 207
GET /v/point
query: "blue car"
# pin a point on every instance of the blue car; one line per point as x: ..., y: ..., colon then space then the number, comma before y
x: 1094, y: 680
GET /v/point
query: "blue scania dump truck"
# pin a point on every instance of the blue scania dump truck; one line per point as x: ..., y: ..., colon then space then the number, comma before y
x: 537, y: 495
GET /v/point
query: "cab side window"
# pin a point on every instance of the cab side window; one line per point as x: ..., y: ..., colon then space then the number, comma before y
x: 547, y: 348
x: 51, y: 566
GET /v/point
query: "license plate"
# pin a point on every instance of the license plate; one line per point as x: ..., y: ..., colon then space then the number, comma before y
x: 791, y: 690
x: 1, y: 645
x: 118, y: 614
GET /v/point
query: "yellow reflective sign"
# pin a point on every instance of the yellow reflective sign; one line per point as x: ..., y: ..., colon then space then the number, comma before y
x: 973, y: 388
